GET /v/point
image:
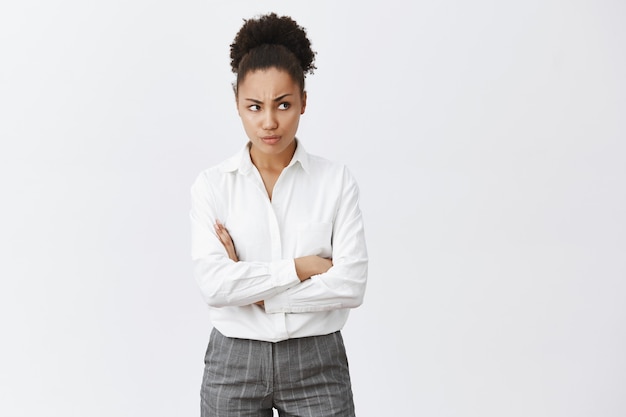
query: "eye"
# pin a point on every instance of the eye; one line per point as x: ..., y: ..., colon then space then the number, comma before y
x: 254, y: 107
x: 284, y: 106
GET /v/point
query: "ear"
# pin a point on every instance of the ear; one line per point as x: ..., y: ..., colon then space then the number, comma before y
x: 303, y: 102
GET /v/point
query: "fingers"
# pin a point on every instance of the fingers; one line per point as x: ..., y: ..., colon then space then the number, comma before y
x: 222, y: 233
x: 226, y: 240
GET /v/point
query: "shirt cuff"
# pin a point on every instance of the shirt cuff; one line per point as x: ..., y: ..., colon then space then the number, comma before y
x: 283, y: 273
x: 277, y: 304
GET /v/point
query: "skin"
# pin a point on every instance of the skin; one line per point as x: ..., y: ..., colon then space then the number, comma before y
x: 270, y: 103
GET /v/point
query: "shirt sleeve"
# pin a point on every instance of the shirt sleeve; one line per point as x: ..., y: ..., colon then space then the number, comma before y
x: 222, y: 281
x: 343, y: 285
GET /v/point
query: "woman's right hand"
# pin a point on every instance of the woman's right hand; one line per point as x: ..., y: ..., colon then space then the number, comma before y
x: 307, y: 266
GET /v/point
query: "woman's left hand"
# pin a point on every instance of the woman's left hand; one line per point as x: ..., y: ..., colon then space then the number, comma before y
x: 227, y: 241
x: 229, y: 245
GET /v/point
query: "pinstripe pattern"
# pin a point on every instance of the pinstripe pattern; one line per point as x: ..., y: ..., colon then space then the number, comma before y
x: 299, y: 377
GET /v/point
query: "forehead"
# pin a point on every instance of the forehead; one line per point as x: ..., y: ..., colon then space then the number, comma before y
x: 268, y: 82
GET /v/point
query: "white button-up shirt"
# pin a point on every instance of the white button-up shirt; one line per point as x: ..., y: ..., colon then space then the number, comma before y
x: 314, y: 211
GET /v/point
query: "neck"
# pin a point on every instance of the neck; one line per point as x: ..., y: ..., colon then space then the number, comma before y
x: 272, y: 162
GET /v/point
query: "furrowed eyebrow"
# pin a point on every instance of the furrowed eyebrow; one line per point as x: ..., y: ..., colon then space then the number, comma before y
x: 279, y: 98
x: 282, y: 97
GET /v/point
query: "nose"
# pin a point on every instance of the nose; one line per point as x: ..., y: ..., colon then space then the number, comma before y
x: 270, y: 121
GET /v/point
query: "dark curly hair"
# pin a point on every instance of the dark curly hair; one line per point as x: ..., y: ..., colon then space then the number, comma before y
x: 270, y: 41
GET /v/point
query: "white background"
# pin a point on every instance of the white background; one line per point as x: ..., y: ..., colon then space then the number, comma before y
x: 489, y: 142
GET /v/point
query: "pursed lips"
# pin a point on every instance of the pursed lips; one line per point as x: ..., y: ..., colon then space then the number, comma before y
x: 270, y: 140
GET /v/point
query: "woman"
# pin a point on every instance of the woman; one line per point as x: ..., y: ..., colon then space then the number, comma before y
x: 278, y: 245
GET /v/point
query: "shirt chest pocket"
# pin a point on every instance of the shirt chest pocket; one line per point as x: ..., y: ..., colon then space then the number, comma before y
x: 314, y: 239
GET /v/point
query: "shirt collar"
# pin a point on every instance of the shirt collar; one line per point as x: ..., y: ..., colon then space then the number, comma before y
x: 243, y: 163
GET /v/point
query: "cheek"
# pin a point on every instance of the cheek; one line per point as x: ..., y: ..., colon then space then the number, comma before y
x: 293, y: 122
x: 247, y: 118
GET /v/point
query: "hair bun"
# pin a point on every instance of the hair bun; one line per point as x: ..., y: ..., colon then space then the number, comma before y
x: 272, y: 29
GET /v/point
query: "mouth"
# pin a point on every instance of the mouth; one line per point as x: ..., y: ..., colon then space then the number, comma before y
x: 270, y: 140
